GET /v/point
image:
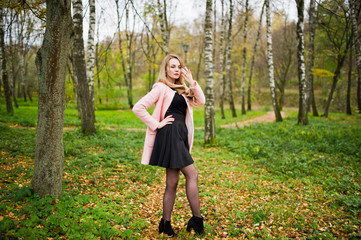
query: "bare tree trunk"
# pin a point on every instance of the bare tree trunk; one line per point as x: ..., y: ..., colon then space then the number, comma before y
x: 12, y: 67
x: 340, y: 61
x: 311, y: 55
x: 129, y: 81
x: 313, y: 100
x: 253, y: 58
x: 98, y: 71
x: 125, y: 62
x: 222, y: 63
x: 164, y: 26
x: 22, y: 79
x: 199, y: 61
x: 349, y: 81
x: 357, y: 42
x: 303, y: 86
x: 7, y: 91
x: 209, y: 125
x: 91, y: 51
x: 87, y: 108
x: 244, y: 57
x: 28, y: 91
x: 283, y: 79
x: 214, y: 33
x: 22, y: 68
x: 75, y: 85
x: 51, y: 61
x: 270, y: 64
x: 228, y: 66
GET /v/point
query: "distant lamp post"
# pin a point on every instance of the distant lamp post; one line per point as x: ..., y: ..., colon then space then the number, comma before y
x: 185, y: 49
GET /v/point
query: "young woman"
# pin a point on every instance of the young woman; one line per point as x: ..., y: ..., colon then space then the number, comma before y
x: 169, y: 136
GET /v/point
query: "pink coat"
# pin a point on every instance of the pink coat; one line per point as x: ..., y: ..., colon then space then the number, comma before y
x: 162, y: 96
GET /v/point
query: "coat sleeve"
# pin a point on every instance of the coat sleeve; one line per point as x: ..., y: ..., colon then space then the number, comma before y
x: 199, y: 98
x: 140, y: 108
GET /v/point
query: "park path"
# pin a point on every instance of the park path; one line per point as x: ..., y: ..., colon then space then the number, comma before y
x: 268, y: 117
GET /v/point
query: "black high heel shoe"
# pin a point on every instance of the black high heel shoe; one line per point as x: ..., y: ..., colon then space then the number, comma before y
x: 197, y: 224
x: 165, y: 227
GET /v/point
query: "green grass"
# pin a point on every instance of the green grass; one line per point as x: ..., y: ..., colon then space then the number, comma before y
x: 265, y: 181
x: 26, y: 116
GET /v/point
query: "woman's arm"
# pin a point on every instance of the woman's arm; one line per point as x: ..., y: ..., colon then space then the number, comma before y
x: 140, y: 108
x: 199, y: 98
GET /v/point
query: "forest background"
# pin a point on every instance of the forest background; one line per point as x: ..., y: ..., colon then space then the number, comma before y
x: 312, y: 166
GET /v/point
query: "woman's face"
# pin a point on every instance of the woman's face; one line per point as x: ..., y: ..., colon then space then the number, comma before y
x: 174, y: 69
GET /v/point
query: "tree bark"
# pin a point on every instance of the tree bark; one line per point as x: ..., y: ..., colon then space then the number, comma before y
x: 249, y: 100
x: 87, y: 108
x: 125, y: 62
x: 7, y: 91
x: 51, y: 62
x: 357, y: 43
x: 283, y: 77
x: 75, y: 85
x: 340, y: 61
x: 303, y: 86
x: 164, y: 26
x: 222, y: 62
x: 270, y: 64
x: 209, y: 126
x: 214, y: 33
x: 12, y: 65
x: 91, y: 51
x: 349, y: 81
x: 129, y: 82
x: 244, y: 57
x: 22, y: 80
x: 228, y: 66
x: 311, y: 55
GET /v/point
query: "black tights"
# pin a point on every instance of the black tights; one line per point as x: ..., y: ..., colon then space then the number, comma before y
x: 191, y: 175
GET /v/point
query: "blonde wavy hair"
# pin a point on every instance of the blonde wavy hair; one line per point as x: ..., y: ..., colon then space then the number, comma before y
x: 179, y: 84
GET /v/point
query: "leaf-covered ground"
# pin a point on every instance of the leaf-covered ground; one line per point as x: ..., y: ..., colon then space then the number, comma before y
x: 266, y: 181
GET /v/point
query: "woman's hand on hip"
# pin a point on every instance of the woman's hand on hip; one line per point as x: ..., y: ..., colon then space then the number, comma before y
x: 166, y: 121
x: 187, y: 75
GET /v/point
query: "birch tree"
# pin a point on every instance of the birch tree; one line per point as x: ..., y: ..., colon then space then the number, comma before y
x: 164, y: 25
x: 270, y: 63
x: 311, y: 55
x: 244, y: 57
x: 21, y: 21
x: 228, y: 66
x: 126, y: 62
x: 222, y: 62
x: 13, y: 52
x: 209, y: 126
x: 249, y: 104
x: 51, y: 62
x: 91, y: 51
x: 7, y: 91
x: 303, y: 86
x: 357, y: 42
x: 87, y: 107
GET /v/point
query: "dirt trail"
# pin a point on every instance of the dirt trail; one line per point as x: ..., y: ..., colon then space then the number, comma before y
x: 268, y: 117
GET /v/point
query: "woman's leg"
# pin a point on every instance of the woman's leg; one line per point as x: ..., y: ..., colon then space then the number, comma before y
x: 191, y: 174
x: 170, y: 192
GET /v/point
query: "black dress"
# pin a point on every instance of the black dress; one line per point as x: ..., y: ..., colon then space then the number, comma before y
x: 171, y: 148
